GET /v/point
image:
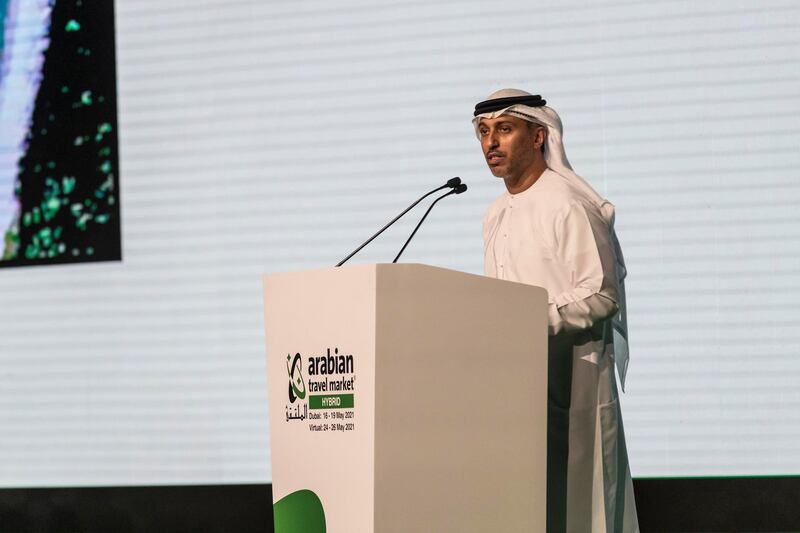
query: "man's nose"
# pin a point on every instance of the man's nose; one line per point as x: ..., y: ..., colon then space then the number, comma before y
x: 491, y: 140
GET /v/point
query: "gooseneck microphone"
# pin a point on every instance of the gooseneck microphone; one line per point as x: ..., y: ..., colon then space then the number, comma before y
x: 453, y: 183
x: 456, y: 190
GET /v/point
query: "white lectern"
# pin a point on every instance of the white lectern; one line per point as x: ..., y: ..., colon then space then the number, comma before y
x: 406, y: 398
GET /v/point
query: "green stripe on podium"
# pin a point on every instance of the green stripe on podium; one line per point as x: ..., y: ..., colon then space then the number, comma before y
x: 331, y: 401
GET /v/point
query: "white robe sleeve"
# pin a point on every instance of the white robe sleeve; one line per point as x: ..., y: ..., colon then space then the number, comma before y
x: 581, y: 242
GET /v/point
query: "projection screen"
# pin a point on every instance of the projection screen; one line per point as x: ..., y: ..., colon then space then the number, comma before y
x: 259, y: 136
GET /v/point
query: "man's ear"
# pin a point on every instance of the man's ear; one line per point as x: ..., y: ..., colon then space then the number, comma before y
x: 538, y: 136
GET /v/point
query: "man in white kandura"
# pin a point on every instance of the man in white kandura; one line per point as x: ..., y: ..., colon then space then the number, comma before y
x: 553, y: 230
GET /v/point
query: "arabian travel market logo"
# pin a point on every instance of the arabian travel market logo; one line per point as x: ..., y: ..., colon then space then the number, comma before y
x: 297, y: 388
x: 325, y: 394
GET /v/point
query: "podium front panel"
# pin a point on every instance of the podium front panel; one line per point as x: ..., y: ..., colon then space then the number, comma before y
x: 320, y: 335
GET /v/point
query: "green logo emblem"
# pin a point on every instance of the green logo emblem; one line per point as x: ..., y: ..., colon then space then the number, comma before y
x: 297, y: 387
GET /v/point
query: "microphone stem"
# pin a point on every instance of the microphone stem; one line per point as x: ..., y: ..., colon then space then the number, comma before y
x: 420, y: 223
x: 407, y: 209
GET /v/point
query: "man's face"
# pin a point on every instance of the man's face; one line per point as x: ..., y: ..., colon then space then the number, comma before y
x: 510, y: 145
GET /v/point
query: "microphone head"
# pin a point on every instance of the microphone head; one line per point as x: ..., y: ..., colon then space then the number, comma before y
x: 453, y: 182
x: 461, y: 188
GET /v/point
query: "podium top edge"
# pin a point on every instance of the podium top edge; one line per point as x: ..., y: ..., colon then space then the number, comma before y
x: 379, y: 268
x: 370, y: 266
